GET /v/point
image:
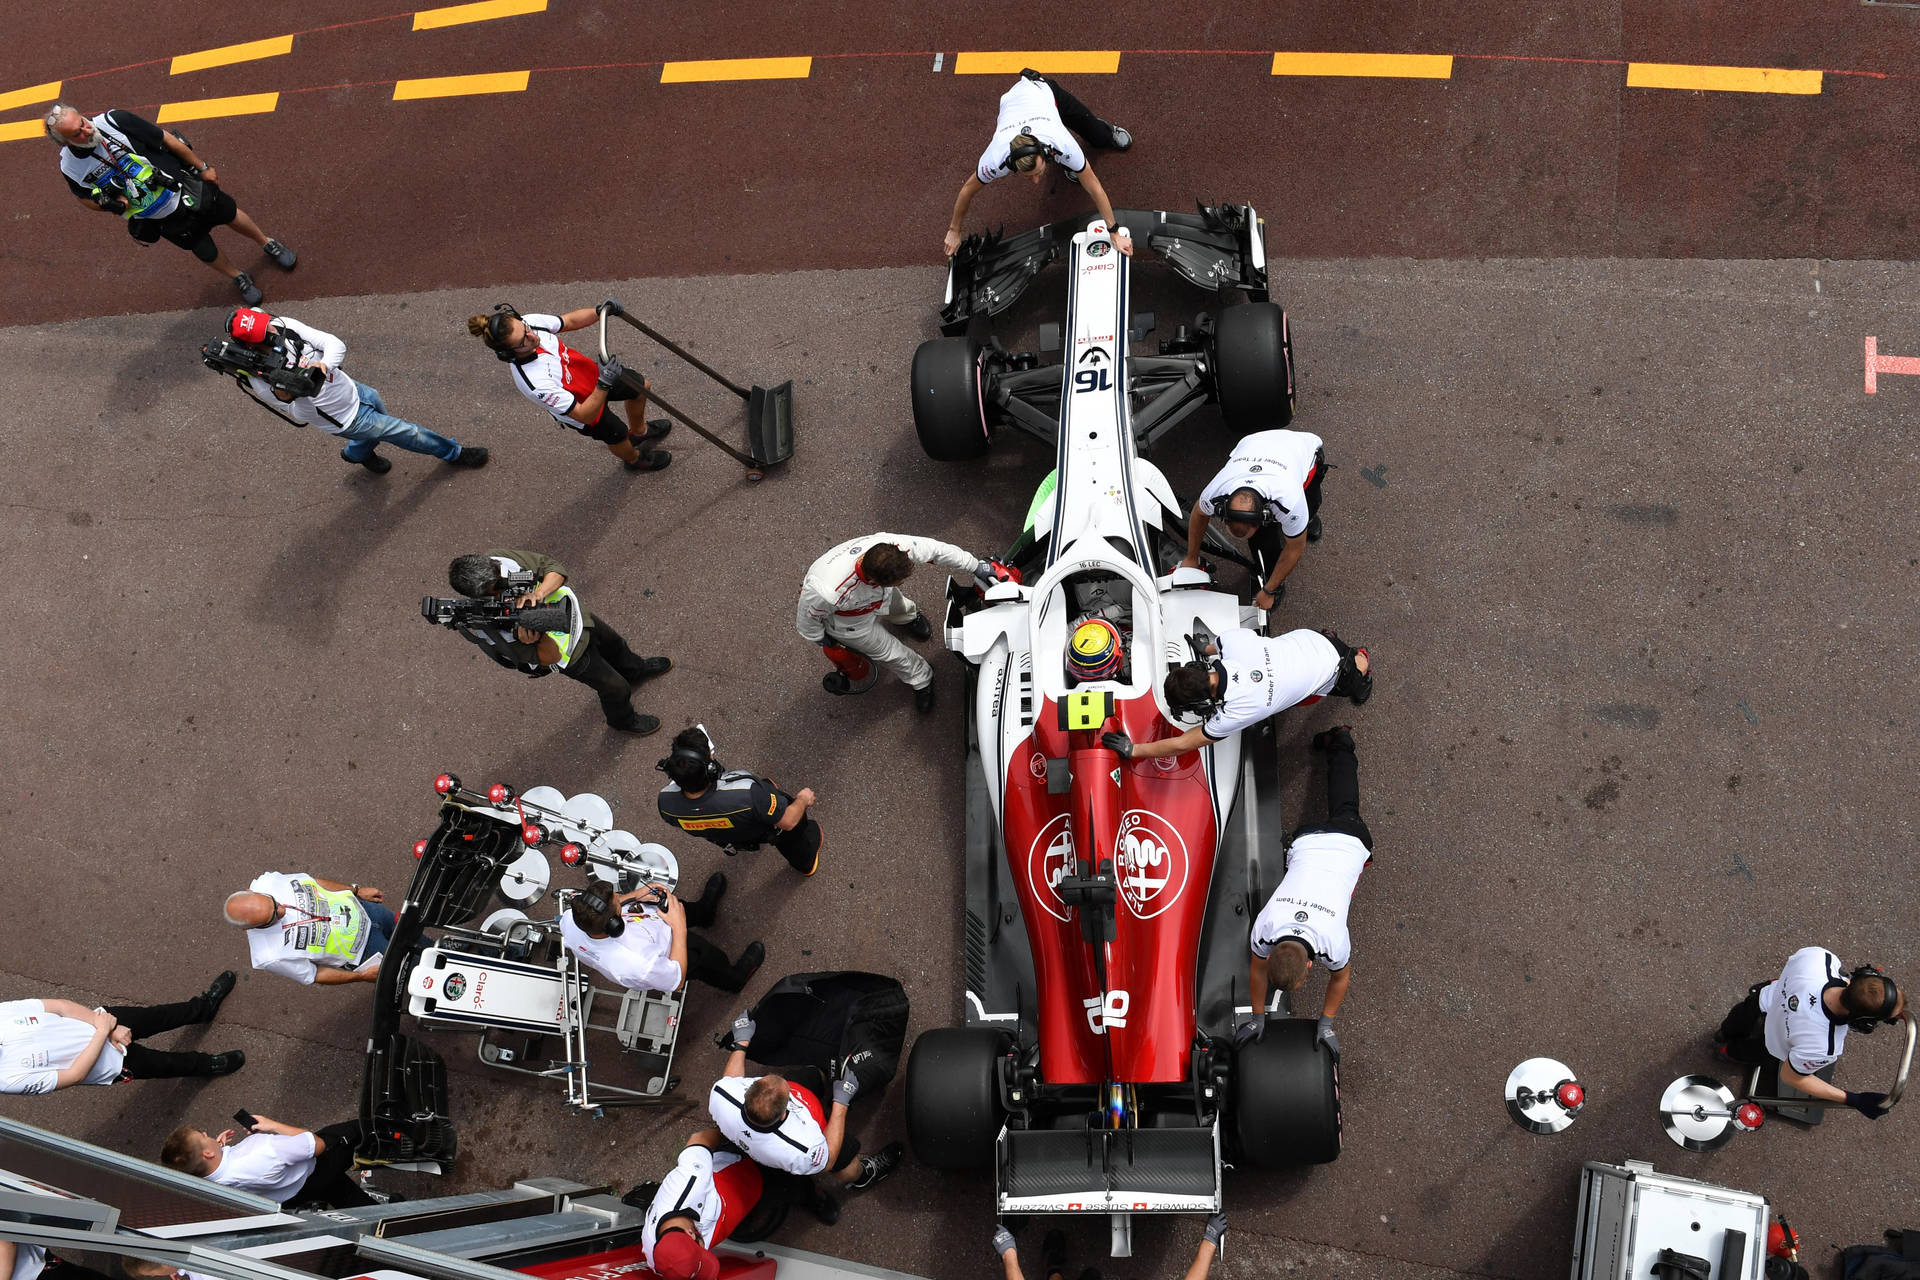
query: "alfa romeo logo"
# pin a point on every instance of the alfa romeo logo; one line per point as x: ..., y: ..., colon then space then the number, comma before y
x: 1050, y: 860
x: 455, y: 986
x: 1150, y: 860
x: 1097, y: 248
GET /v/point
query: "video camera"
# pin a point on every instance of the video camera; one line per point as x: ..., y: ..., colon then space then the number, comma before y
x: 275, y: 360
x: 497, y: 611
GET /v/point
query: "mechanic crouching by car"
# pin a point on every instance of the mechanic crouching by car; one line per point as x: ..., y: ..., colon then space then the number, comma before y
x: 641, y: 939
x: 1037, y: 122
x: 781, y: 1125
x: 1305, y: 920
x: 1244, y: 677
x: 119, y: 163
x: 336, y: 404
x: 1802, y: 1018
x: 1269, y: 495
x: 590, y: 651
x: 312, y: 930
x: 852, y: 589
x: 709, y: 1195
x: 733, y: 808
x: 578, y: 391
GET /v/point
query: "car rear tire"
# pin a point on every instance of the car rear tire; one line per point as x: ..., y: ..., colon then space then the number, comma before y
x: 1286, y: 1097
x: 953, y: 1097
x: 1253, y: 367
x: 949, y: 406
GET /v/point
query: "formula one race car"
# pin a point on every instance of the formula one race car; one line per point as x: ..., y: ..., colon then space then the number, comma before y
x: 965, y: 386
x: 1109, y: 901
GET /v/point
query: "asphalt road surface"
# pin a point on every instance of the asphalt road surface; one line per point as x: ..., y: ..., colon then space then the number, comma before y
x: 1632, y: 549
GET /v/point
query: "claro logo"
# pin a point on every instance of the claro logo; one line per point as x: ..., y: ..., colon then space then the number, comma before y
x: 1150, y: 859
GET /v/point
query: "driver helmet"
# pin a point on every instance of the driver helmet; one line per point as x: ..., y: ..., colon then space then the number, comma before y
x: 1094, y: 651
x: 248, y: 324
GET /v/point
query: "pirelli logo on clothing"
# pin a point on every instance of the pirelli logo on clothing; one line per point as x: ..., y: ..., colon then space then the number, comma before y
x: 705, y: 824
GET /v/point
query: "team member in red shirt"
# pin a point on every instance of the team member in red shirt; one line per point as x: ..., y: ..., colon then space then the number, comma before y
x: 572, y: 387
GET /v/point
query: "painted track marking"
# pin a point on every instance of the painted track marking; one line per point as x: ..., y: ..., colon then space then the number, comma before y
x: 736, y: 69
x: 1411, y: 66
x: 1878, y: 364
x: 227, y: 55
x: 485, y: 11
x: 17, y: 130
x: 1674, y: 75
x: 30, y: 97
x: 246, y: 104
x: 1082, y: 62
x: 460, y: 86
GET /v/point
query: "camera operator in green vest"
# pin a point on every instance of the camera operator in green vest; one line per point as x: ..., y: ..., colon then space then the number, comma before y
x: 589, y: 650
x: 313, y: 930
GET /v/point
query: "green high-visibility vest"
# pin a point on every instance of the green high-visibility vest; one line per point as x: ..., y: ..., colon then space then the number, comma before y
x: 340, y: 932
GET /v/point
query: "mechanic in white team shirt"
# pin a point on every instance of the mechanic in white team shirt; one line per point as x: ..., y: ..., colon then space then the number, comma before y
x: 1244, y: 677
x: 1037, y: 122
x: 285, y: 1164
x: 1269, y: 494
x: 641, y: 939
x: 699, y: 1204
x: 312, y: 930
x: 780, y: 1124
x: 1802, y: 1018
x: 576, y: 389
x: 853, y: 588
x: 1306, y: 918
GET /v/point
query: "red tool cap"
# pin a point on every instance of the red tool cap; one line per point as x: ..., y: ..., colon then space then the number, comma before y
x: 248, y: 324
x: 1748, y: 1115
x: 678, y: 1256
x: 1570, y: 1095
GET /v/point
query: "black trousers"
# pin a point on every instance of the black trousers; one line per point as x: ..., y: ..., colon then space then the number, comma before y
x: 330, y: 1182
x: 706, y: 962
x: 1074, y: 114
x: 1266, y: 544
x: 143, y: 1063
x: 611, y: 670
x: 1744, y: 1030
x: 800, y: 846
x: 1343, y: 798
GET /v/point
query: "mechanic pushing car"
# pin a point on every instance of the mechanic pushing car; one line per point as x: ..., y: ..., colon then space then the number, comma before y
x: 1037, y: 122
x: 1802, y: 1018
x: 1269, y: 495
x: 577, y: 390
x: 1244, y: 677
x: 1306, y: 918
x: 844, y: 591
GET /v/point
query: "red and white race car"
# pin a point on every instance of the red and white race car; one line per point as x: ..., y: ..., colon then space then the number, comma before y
x: 1109, y: 901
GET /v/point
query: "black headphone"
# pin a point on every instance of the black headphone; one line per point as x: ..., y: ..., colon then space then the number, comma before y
x: 1864, y: 1023
x: 1206, y: 706
x: 616, y: 924
x: 497, y: 333
x: 701, y: 757
x: 1021, y: 152
x: 1267, y: 513
x: 756, y: 1125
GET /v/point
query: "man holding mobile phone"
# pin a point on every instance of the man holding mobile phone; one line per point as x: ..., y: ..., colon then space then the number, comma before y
x: 641, y: 940
x: 289, y: 1166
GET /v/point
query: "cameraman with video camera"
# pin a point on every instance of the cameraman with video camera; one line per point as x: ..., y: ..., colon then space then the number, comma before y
x: 568, y: 639
x: 276, y: 358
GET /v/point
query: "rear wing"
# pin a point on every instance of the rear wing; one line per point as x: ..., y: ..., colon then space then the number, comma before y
x: 1220, y: 247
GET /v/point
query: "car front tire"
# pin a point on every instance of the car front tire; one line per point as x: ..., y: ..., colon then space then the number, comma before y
x: 949, y: 399
x: 1253, y: 367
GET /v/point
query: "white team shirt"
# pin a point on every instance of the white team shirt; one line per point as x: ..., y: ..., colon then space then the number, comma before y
x: 688, y: 1188
x: 29, y: 1260
x: 1265, y: 677
x: 543, y: 379
x: 1799, y: 1032
x: 834, y: 597
x: 640, y: 959
x: 273, y: 1165
x: 36, y: 1046
x: 332, y: 408
x: 1275, y: 464
x: 1029, y: 108
x: 281, y: 946
x: 798, y: 1146
x: 1311, y: 903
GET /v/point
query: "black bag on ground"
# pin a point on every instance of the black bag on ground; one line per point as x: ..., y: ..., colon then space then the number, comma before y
x: 1898, y: 1259
x: 810, y: 1024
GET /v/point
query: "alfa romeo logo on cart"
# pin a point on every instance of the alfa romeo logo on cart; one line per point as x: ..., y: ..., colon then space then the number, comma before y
x: 455, y: 986
x: 1150, y: 859
x: 1097, y: 248
x: 1049, y: 860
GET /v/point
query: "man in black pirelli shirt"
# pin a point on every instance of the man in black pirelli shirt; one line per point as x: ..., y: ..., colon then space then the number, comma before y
x: 733, y: 808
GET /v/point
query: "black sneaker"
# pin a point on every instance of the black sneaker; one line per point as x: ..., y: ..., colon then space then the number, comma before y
x: 651, y: 460
x: 920, y: 628
x: 753, y: 957
x: 657, y: 429
x: 836, y: 683
x: 470, y: 455
x: 1313, y: 529
x: 651, y: 667
x: 249, y: 291
x: 876, y: 1169
x: 372, y: 462
x: 1073, y: 175
x: 923, y: 699
x: 283, y: 257
x: 1122, y: 140
x: 640, y: 726
x: 825, y: 1208
x: 1338, y: 738
x: 225, y: 1064
x: 217, y: 990
x: 714, y: 890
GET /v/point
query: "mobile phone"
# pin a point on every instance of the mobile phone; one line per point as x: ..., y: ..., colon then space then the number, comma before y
x: 244, y: 1119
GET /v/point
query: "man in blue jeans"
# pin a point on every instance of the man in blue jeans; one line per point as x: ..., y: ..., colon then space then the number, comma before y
x: 312, y: 930
x: 339, y: 406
